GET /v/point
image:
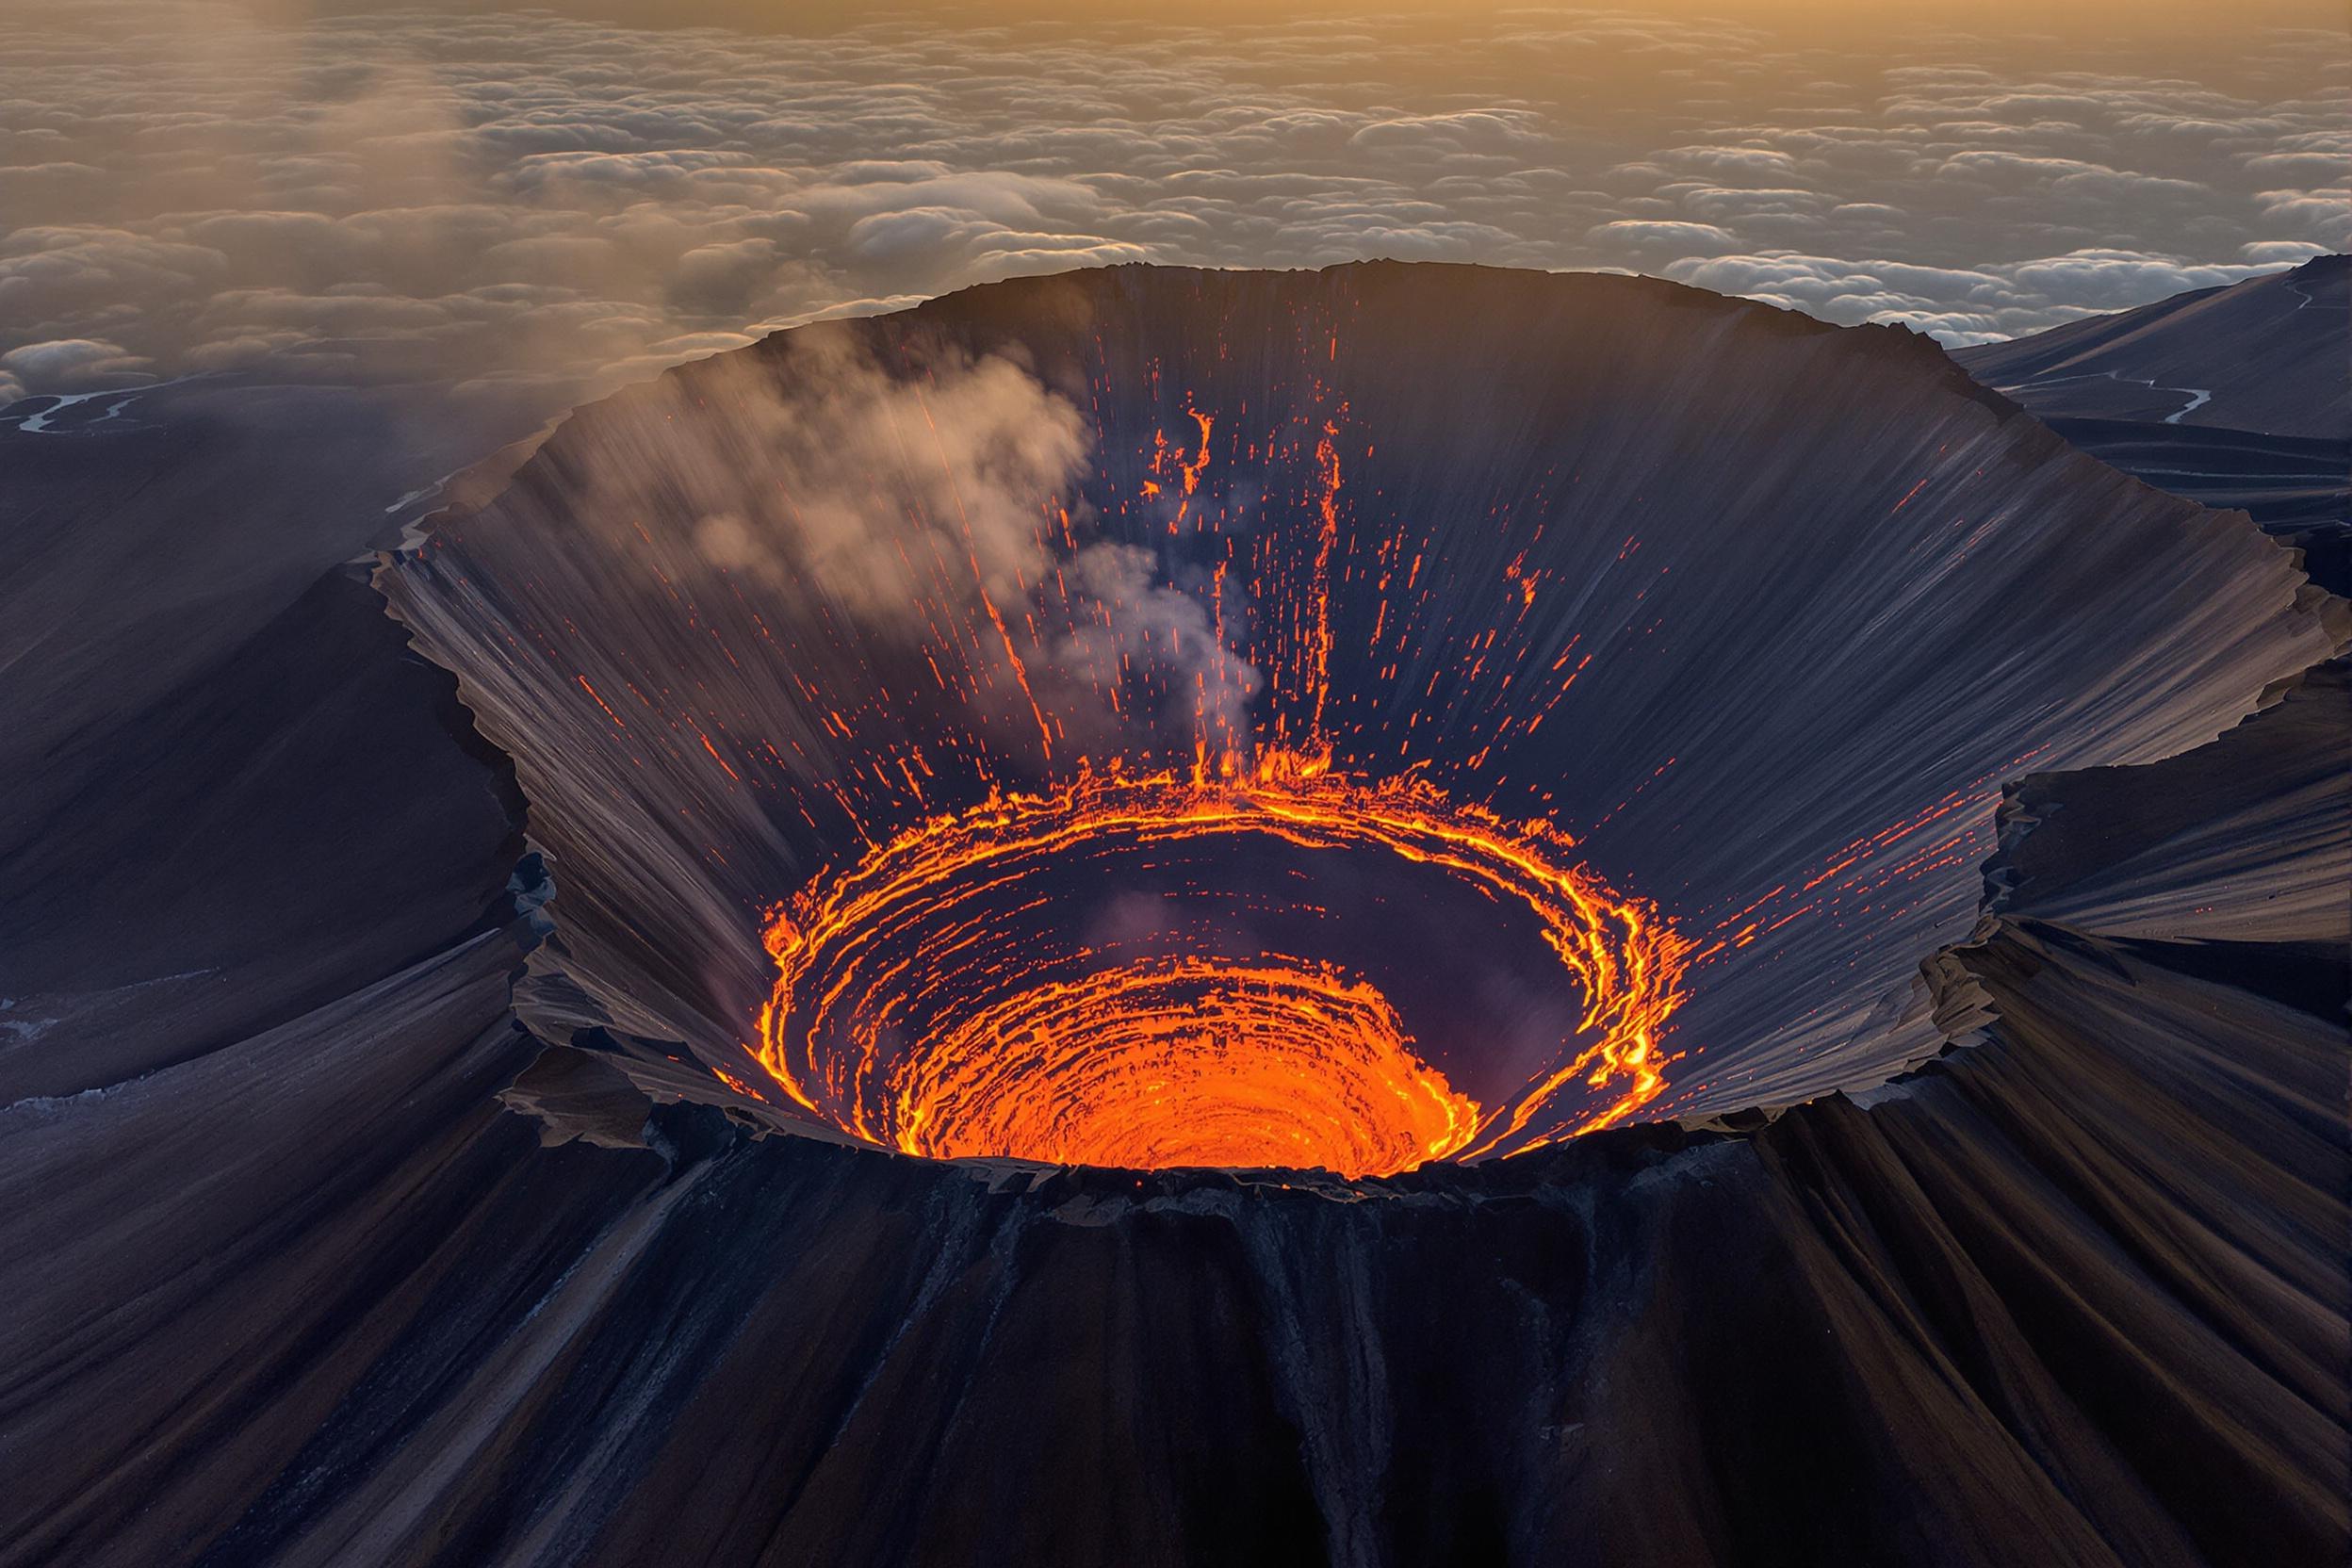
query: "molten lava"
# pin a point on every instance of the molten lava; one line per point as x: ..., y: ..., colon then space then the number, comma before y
x: 1164, y: 699
x: 1186, y: 1062
x: 1145, y: 963
x: 903, y: 1012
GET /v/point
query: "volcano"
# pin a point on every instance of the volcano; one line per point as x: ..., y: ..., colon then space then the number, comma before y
x: 1394, y: 915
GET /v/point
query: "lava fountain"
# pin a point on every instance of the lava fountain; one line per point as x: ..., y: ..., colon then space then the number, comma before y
x: 1356, y: 720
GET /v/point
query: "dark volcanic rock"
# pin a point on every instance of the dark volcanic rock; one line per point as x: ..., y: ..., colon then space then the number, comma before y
x: 368, y: 1274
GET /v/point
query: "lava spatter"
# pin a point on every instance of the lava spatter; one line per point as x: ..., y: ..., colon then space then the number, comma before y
x: 934, y: 997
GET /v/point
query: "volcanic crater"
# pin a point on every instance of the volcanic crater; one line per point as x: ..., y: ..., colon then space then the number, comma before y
x: 1349, y: 720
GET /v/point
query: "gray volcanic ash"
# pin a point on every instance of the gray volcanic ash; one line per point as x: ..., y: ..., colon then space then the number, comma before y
x: 1498, y: 669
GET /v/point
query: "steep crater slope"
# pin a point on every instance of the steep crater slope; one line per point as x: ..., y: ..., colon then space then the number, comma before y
x: 291, y: 1286
x: 1153, y: 717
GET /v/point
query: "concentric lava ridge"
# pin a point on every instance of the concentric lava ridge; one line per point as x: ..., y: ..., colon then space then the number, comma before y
x: 1347, y: 720
x: 1186, y: 1062
x: 1183, y: 1055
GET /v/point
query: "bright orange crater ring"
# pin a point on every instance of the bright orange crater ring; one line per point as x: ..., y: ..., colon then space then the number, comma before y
x: 1082, y: 977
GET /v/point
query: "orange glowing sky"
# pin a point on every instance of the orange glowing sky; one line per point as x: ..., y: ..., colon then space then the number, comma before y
x: 539, y: 207
x: 2126, y: 21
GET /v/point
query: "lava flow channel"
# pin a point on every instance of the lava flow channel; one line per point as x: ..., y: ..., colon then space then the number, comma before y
x: 926, y: 1000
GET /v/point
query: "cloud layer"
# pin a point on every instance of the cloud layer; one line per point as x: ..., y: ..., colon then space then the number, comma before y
x: 521, y: 205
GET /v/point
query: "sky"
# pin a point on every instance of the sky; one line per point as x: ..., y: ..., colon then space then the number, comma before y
x: 541, y: 205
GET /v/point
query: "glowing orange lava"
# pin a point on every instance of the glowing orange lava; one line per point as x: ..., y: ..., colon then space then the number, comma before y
x: 1075, y: 976
x: 903, y: 1014
x: 1186, y: 1062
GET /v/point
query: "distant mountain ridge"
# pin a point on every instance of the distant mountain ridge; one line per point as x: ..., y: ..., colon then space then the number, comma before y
x: 2272, y: 355
x: 2240, y: 397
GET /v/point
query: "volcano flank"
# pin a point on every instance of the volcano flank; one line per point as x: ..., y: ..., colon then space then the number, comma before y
x: 1397, y: 915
